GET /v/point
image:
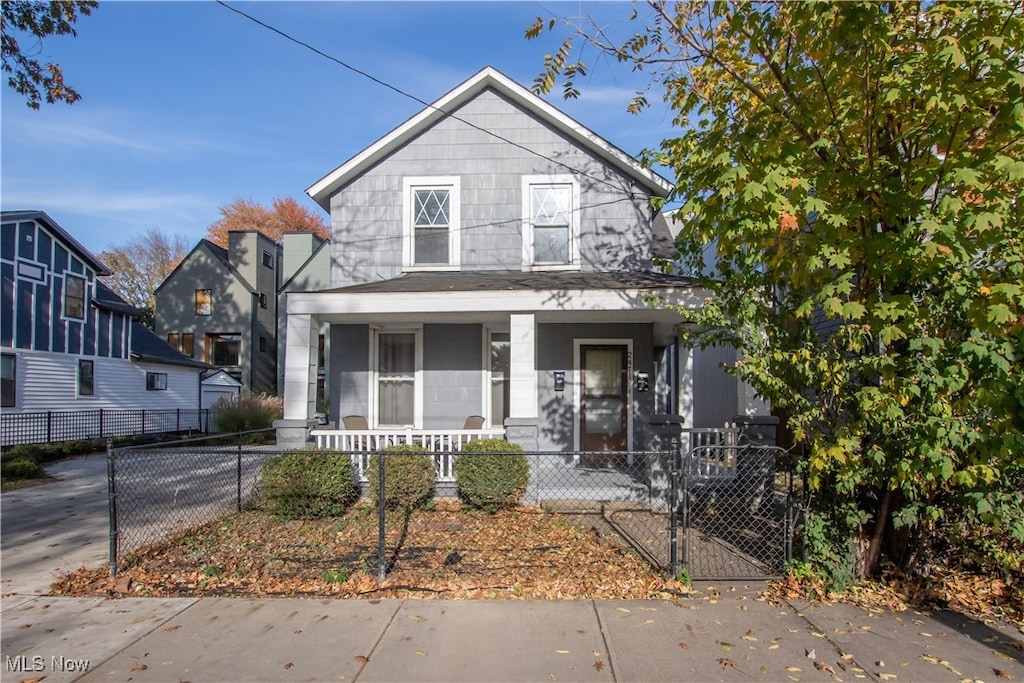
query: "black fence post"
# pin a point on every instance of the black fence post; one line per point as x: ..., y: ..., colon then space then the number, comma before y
x: 102, y: 434
x: 49, y: 421
x: 112, y: 508
x: 381, y: 562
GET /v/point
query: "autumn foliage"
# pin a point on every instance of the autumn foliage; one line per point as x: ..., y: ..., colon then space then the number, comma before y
x: 285, y: 215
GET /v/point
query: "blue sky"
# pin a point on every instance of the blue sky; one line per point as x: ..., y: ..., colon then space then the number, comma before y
x: 187, y: 106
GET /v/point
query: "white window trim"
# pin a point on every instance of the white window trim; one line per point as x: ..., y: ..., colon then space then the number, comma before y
x: 574, y: 222
x: 372, y: 413
x: 577, y: 390
x: 454, y: 185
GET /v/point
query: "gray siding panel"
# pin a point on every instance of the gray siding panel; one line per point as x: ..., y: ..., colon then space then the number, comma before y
x: 452, y: 375
x: 715, y: 392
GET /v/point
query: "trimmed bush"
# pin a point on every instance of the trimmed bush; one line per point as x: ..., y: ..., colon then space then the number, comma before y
x: 491, y: 474
x: 248, y: 412
x: 409, y: 474
x: 25, y: 460
x: 20, y: 467
x: 308, y: 484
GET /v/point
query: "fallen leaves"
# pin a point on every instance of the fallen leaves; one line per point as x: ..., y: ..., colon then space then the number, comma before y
x: 553, y: 556
x: 1002, y: 673
x: 727, y: 663
x: 598, y: 665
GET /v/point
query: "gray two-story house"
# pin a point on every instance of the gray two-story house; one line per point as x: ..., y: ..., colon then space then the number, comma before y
x: 220, y: 306
x: 491, y: 256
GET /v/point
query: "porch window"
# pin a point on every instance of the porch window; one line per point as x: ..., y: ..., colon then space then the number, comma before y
x: 498, y: 377
x: 396, y: 378
x: 431, y: 218
x: 550, y: 221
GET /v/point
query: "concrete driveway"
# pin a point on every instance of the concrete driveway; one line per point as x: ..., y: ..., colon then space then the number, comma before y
x: 54, y: 528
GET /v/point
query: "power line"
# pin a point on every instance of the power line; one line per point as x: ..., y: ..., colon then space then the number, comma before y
x: 412, y: 97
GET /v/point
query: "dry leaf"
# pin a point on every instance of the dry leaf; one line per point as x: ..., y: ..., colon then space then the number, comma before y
x: 139, y: 667
x: 622, y: 609
x: 1016, y: 644
x: 1002, y: 673
x: 170, y: 629
x: 598, y: 665
x: 822, y: 666
x: 23, y: 626
x: 362, y: 659
x: 288, y: 665
x: 684, y: 646
x: 793, y: 669
x: 725, y: 646
x: 562, y: 652
x: 727, y: 663
x: 810, y: 654
x: 773, y: 645
x: 887, y: 677
x: 749, y: 635
x: 416, y: 617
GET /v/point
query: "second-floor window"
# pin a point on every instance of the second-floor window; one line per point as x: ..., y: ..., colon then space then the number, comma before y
x: 550, y: 221
x: 431, y: 217
x: 74, y: 297
x: 184, y: 342
x: 223, y: 349
x: 204, y: 301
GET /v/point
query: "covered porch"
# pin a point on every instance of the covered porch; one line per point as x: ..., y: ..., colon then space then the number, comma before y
x: 423, y: 351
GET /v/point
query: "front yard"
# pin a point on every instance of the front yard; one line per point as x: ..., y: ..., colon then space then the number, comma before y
x: 445, y: 552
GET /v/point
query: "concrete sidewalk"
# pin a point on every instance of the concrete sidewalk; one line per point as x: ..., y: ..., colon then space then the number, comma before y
x: 733, y: 638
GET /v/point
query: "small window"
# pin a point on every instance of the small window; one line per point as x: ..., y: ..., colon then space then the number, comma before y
x: 174, y: 339
x: 204, y: 301
x: 8, y: 380
x: 188, y: 342
x: 263, y: 300
x: 156, y: 381
x: 263, y: 343
x: 85, y: 378
x: 268, y: 259
x: 74, y: 297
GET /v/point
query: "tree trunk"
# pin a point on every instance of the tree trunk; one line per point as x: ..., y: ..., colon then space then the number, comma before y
x: 874, y: 551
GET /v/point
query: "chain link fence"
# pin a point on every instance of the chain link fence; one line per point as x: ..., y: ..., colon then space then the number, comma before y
x: 717, y: 512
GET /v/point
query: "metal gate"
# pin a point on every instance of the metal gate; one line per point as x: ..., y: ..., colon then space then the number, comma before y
x: 732, y: 512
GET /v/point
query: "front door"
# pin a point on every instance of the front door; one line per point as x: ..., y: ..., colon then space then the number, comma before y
x: 604, y: 399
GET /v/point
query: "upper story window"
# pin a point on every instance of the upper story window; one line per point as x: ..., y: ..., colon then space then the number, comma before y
x: 74, y: 297
x: 268, y: 259
x: 183, y: 342
x: 263, y: 300
x: 223, y: 349
x: 550, y: 222
x: 431, y: 223
x: 204, y: 301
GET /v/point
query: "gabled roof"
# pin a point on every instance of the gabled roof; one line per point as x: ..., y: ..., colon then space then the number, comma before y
x: 107, y: 300
x: 487, y: 78
x: 219, y: 253
x: 54, y: 227
x: 305, y: 264
x: 149, y: 348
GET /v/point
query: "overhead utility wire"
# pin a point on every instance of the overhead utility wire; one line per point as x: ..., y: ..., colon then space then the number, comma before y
x: 410, y: 96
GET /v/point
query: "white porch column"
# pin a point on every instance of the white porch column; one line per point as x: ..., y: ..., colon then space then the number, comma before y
x: 521, y: 426
x: 299, y: 380
x: 523, y: 365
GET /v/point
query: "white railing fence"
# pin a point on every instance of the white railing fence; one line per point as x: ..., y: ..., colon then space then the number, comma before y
x: 709, y: 459
x: 361, y: 443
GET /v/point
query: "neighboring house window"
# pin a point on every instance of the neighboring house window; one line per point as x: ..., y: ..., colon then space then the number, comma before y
x: 156, y: 381
x: 431, y: 217
x: 497, y: 373
x: 263, y: 300
x: 263, y: 343
x: 184, y: 342
x: 550, y: 221
x: 74, y: 297
x: 8, y: 380
x: 268, y: 259
x: 223, y: 349
x: 85, y: 378
x: 397, y: 355
x: 204, y: 301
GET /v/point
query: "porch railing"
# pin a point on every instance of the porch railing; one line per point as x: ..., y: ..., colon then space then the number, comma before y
x: 713, y: 462
x: 361, y: 443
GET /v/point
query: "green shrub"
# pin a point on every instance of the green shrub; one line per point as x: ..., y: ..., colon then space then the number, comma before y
x: 20, y: 467
x: 409, y: 474
x: 248, y: 412
x: 491, y: 474
x: 308, y: 484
